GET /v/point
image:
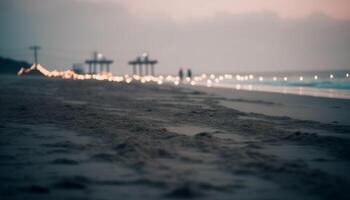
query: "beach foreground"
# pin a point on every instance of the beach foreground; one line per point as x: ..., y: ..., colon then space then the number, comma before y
x: 66, y: 139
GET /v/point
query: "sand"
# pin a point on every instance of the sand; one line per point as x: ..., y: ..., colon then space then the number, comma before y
x: 326, y: 110
x: 66, y: 139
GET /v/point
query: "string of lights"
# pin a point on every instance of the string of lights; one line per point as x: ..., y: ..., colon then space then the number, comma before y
x: 209, y: 79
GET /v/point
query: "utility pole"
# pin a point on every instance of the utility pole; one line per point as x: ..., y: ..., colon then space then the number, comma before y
x: 35, y: 49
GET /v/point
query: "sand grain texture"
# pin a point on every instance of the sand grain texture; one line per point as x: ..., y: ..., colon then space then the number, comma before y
x: 65, y: 139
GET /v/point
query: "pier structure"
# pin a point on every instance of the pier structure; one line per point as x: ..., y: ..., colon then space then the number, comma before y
x: 143, y: 66
x: 98, y: 60
x: 35, y: 51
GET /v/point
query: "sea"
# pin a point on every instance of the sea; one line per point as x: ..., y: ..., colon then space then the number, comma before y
x: 329, y: 84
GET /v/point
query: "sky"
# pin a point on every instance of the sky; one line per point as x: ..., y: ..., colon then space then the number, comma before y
x: 204, y: 35
x: 197, y: 9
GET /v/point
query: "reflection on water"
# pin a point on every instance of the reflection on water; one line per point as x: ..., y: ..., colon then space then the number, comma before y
x: 334, y: 84
x: 308, y: 91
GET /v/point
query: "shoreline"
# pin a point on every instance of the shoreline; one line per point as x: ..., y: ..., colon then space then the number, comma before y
x: 314, y: 108
x: 294, y: 90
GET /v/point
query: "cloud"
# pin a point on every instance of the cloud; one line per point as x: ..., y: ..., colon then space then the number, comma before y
x: 197, y: 9
x: 256, y: 41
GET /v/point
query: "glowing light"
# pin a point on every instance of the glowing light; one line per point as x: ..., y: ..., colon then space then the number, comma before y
x: 202, y: 79
x: 228, y: 76
x: 197, y: 78
x: 347, y: 75
x: 238, y: 86
x: 208, y: 83
x: 128, y: 80
x: 69, y: 74
x: 136, y: 77
x: 20, y: 72
x: 168, y: 78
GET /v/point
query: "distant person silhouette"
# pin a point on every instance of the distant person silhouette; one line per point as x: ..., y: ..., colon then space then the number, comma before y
x: 181, y: 74
x: 189, y: 73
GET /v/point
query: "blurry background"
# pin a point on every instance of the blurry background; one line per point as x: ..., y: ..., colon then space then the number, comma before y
x: 206, y: 35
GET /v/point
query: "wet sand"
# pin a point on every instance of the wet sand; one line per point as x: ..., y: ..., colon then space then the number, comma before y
x: 65, y: 139
x: 322, y: 109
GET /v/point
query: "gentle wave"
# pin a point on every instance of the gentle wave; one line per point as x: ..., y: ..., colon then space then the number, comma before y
x: 319, y: 84
x: 345, y: 85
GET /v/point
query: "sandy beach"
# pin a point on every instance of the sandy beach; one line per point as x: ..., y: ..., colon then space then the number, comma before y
x: 321, y: 109
x: 69, y: 139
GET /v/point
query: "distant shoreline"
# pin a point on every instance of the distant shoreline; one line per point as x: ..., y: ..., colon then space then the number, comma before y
x: 315, y: 108
x: 293, y: 90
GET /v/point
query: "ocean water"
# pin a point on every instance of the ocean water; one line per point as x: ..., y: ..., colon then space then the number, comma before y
x: 326, y: 80
x: 331, y: 84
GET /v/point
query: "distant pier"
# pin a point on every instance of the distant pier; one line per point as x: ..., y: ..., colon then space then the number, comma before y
x: 98, y: 61
x: 143, y: 66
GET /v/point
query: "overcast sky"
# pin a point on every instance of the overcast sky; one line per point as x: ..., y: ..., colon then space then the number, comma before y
x: 206, y: 35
